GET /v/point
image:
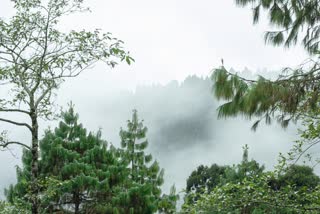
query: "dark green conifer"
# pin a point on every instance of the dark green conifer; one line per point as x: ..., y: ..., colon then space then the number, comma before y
x: 146, y: 174
x: 78, y: 172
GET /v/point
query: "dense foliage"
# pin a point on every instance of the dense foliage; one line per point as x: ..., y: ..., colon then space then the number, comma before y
x: 247, y: 188
x: 7, y: 208
x: 79, y: 173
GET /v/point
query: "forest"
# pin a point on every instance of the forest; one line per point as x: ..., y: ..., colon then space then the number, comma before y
x: 230, y: 141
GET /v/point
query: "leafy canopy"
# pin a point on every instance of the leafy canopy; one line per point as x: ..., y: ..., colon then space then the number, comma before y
x: 36, y: 57
x: 247, y: 188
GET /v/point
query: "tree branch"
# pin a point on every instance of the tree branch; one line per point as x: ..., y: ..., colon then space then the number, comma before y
x: 46, y: 35
x: 14, y: 110
x: 43, y: 95
x: 16, y: 123
x: 5, y: 144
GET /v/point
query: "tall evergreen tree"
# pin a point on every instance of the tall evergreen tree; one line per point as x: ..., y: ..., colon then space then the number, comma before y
x: 145, y: 173
x: 83, y: 171
x: 248, y: 167
x: 134, y: 143
x: 79, y: 173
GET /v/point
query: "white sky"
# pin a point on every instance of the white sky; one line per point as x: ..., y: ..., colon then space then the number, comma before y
x: 171, y: 39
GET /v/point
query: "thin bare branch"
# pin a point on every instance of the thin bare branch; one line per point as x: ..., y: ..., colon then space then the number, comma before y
x: 316, y: 141
x: 14, y: 110
x: 16, y: 123
x: 5, y: 144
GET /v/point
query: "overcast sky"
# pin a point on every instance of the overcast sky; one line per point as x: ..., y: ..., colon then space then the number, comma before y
x: 169, y: 39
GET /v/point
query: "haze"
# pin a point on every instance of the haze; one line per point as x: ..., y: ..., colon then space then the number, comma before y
x: 171, y: 40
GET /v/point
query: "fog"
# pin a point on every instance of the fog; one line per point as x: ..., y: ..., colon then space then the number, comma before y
x: 171, y: 41
x: 183, y: 128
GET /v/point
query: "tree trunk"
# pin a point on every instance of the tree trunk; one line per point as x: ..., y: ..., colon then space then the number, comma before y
x: 76, y: 199
x: 34, y: 162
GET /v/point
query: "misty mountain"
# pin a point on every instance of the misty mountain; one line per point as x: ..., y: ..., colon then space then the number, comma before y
x: 183, y: 128
x: 185, y: 116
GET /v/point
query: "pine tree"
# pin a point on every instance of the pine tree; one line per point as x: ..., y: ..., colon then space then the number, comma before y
x: 20, y: 192
x: 168, y: 203
x: 82, y: 160
x: 77, y: 170
x: 146, y: 174
x: 133, y: 143
x: 248, y: 168
x: 79, y: 173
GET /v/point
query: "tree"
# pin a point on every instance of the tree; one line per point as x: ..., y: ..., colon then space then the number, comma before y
x: 298, y: 176
x: 168, y: 203
x: 248, y: 168
x: 303, y: 149
x: 36, y: 58
x: 205, y: 177
x: 7, y: 208
x: 254, y: 195
x: 77, y: 171
x: 245, y: 188
x: 295, y: 93
x: 205, y: 180
x: 143, y: 172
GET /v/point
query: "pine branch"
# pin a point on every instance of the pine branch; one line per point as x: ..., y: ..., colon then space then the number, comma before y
x: 241, y: 78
